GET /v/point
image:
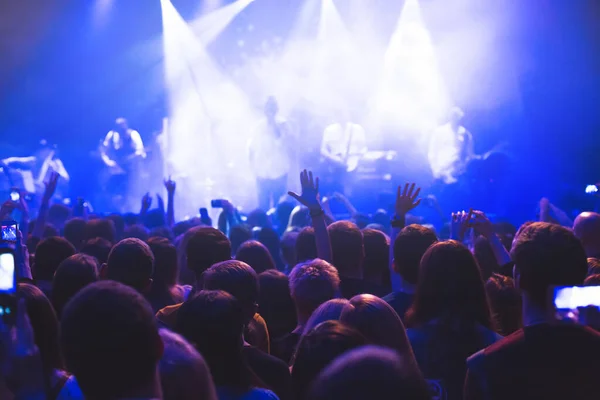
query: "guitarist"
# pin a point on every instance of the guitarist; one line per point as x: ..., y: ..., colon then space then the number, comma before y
x: 122, y: 152
x: 344, y: 144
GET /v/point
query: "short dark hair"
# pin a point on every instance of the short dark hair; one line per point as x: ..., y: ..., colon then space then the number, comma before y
x: 166, y: 270
x: 547, y: 255
x: 104, y: 228
x: 234, y: 277
x: 593, y: 266
x: 347, y: 246
x: 410, y: 245
x: 137, y: 231
x: 131, y: 262
x: 256, y: 255
x: 388, y: 373
x: 110, y: 340
x: 313, y: 283
x: 238, y: 234
x: 377, y: 256
x: 58, y: 214
x: 213, y: 320
x: 72, y: 275
x: 74, y: 231
x: 275, y: 303
x: 49, y: 253
x: 288, y: 248
x: 97, y: 247
x: 306, y: 245
x: 206, y: 246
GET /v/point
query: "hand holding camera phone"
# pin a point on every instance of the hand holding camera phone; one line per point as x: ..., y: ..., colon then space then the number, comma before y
x: 579, y: 304
x: 10, y: 243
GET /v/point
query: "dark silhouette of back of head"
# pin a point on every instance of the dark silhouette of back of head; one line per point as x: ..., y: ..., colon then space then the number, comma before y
x: 72, y: 275
x: 256, y: 255
x: 547, y: 255
x: 410, y: 245
x: 347, y: 248
x: 49, y: 253
x: 110, y: 341
x: 205, y: 246
x: 131, y: 262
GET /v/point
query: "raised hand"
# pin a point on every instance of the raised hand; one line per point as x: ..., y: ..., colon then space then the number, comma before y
x: 310, y: 191
x: 482, y: 224
x: 146, y: 202
x: 170, y: 185
x: 51, y: 186
x: 459, y: 224
x: 160, y: 202
x: 406, y: 200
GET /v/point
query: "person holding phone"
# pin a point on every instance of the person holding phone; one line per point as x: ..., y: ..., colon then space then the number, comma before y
x: 546, y: 359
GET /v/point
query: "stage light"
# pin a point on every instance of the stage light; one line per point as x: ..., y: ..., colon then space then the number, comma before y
x: 207, y: 27
x: 412, y: 95
x: 210, y: 122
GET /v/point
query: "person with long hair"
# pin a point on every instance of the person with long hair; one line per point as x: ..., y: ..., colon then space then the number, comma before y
x: 450, y: 318
x: 379, y: 323
x: 45, y: 331
x: 317, y: 349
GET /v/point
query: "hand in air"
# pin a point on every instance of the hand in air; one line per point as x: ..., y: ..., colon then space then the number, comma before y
x: 310, y: 190
x: 146, y: 202
x: 170, y: 185
x: 406, y: 200
x: 482, y: 224
x: 459, y: 223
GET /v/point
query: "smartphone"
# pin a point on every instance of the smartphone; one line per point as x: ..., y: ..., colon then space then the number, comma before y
x: 8, y: 286
x: 579, y: 304
x: 9, y: 231
x: 15, y: 195
x: 216, y: 203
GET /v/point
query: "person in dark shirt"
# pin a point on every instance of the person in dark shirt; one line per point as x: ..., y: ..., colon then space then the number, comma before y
x: 240, y: 280
x: 410, y: 245
x: 547, y: 359
x: 348, y: 253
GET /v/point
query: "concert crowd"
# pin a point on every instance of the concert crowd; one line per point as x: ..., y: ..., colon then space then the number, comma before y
x: 295, y: 303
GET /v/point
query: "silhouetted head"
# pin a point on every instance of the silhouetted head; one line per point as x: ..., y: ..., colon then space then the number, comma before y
x: 547, y: 255
x: 449, y: 287
x: 107, y: 362
x: 410, y: 245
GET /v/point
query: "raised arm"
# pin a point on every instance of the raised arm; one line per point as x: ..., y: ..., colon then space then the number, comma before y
x: 170, y: 186
x: 406, y: 200
x: 310, y: 199
x: 40, y: 223
x: 484, y: 227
